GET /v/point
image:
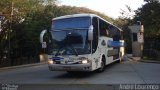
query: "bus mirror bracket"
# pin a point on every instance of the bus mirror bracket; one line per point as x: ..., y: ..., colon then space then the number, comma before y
x: 90, y: 33
x: 41, y: 39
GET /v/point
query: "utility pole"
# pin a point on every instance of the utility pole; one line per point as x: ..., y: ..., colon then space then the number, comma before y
x: 0, y: 25
x: 9, y: 34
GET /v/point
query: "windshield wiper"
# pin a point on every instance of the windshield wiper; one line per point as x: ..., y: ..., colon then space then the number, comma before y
x: 57, y: 52
x: 75, y: 51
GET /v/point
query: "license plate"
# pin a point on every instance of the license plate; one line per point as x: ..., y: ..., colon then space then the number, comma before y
x: 66, y: 67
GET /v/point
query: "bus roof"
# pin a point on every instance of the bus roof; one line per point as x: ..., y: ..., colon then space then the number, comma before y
x: 83, y: 15
x: 74, y: 15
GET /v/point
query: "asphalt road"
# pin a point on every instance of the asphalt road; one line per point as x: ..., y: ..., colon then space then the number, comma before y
x: 127, y: 72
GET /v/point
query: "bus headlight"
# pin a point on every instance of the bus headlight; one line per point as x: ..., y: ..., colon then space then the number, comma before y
x: 85, y: 61
x: 50, y: 62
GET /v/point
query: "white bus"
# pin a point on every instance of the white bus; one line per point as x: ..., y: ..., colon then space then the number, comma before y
x: 82, y: 42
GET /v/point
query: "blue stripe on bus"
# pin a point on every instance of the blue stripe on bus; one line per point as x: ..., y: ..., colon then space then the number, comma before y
x: 115, y: 44
x: 57, y: 58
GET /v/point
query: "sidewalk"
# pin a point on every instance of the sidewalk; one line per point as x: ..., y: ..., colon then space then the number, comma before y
x: 141, y: 60
x: 22, y: 66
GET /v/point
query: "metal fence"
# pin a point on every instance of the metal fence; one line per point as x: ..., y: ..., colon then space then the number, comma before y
x: 152, y: 48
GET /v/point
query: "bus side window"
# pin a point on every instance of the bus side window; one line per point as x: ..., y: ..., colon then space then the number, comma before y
x: 115, y: 33
x: 103, y: 28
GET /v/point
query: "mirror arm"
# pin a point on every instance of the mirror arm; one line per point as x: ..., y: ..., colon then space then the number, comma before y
x: 41, y: 35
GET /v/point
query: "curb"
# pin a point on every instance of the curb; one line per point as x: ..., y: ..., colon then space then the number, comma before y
x: 145, y: 61
x: 22, y: 66
x: 150, y: 61
x: 130, y: 58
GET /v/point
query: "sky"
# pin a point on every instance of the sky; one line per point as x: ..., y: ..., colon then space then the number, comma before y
x: 110, y: 8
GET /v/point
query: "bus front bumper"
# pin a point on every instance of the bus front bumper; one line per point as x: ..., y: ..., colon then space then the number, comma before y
x: 71, y: 67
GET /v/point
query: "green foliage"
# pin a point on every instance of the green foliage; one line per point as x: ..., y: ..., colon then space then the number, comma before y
x: 24, y: 19
x: 149, y: 15
x: 151, y: 1
x: 123, y: 23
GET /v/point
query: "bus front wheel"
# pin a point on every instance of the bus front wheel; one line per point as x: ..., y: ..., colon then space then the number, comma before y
x: 102, y: 68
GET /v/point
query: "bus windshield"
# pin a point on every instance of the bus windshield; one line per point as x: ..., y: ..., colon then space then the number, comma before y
x: 69, y: 36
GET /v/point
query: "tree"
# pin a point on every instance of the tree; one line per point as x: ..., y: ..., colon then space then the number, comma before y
x: 149, y: 15
x: 19, y: 27
x: 151, y: 1
x: 123, y: 22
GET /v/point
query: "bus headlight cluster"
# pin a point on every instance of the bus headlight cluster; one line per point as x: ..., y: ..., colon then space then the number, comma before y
x: 85, y: 61
x: 50, y: 61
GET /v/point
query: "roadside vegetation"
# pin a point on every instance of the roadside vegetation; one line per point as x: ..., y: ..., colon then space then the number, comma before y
x: 149, y: 16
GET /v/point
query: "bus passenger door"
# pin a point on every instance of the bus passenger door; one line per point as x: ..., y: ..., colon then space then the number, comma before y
x: 95, y: 52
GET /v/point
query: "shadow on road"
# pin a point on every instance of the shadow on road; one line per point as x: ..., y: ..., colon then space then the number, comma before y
x: 84, y: 74
x: 76, y: 75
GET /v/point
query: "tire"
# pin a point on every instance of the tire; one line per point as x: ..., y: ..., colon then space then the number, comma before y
x: 102, y: 68
x: 72, y: 72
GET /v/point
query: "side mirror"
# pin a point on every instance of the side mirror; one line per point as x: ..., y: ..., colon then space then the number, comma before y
x: 90, y: 33
x: 41, y: 39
